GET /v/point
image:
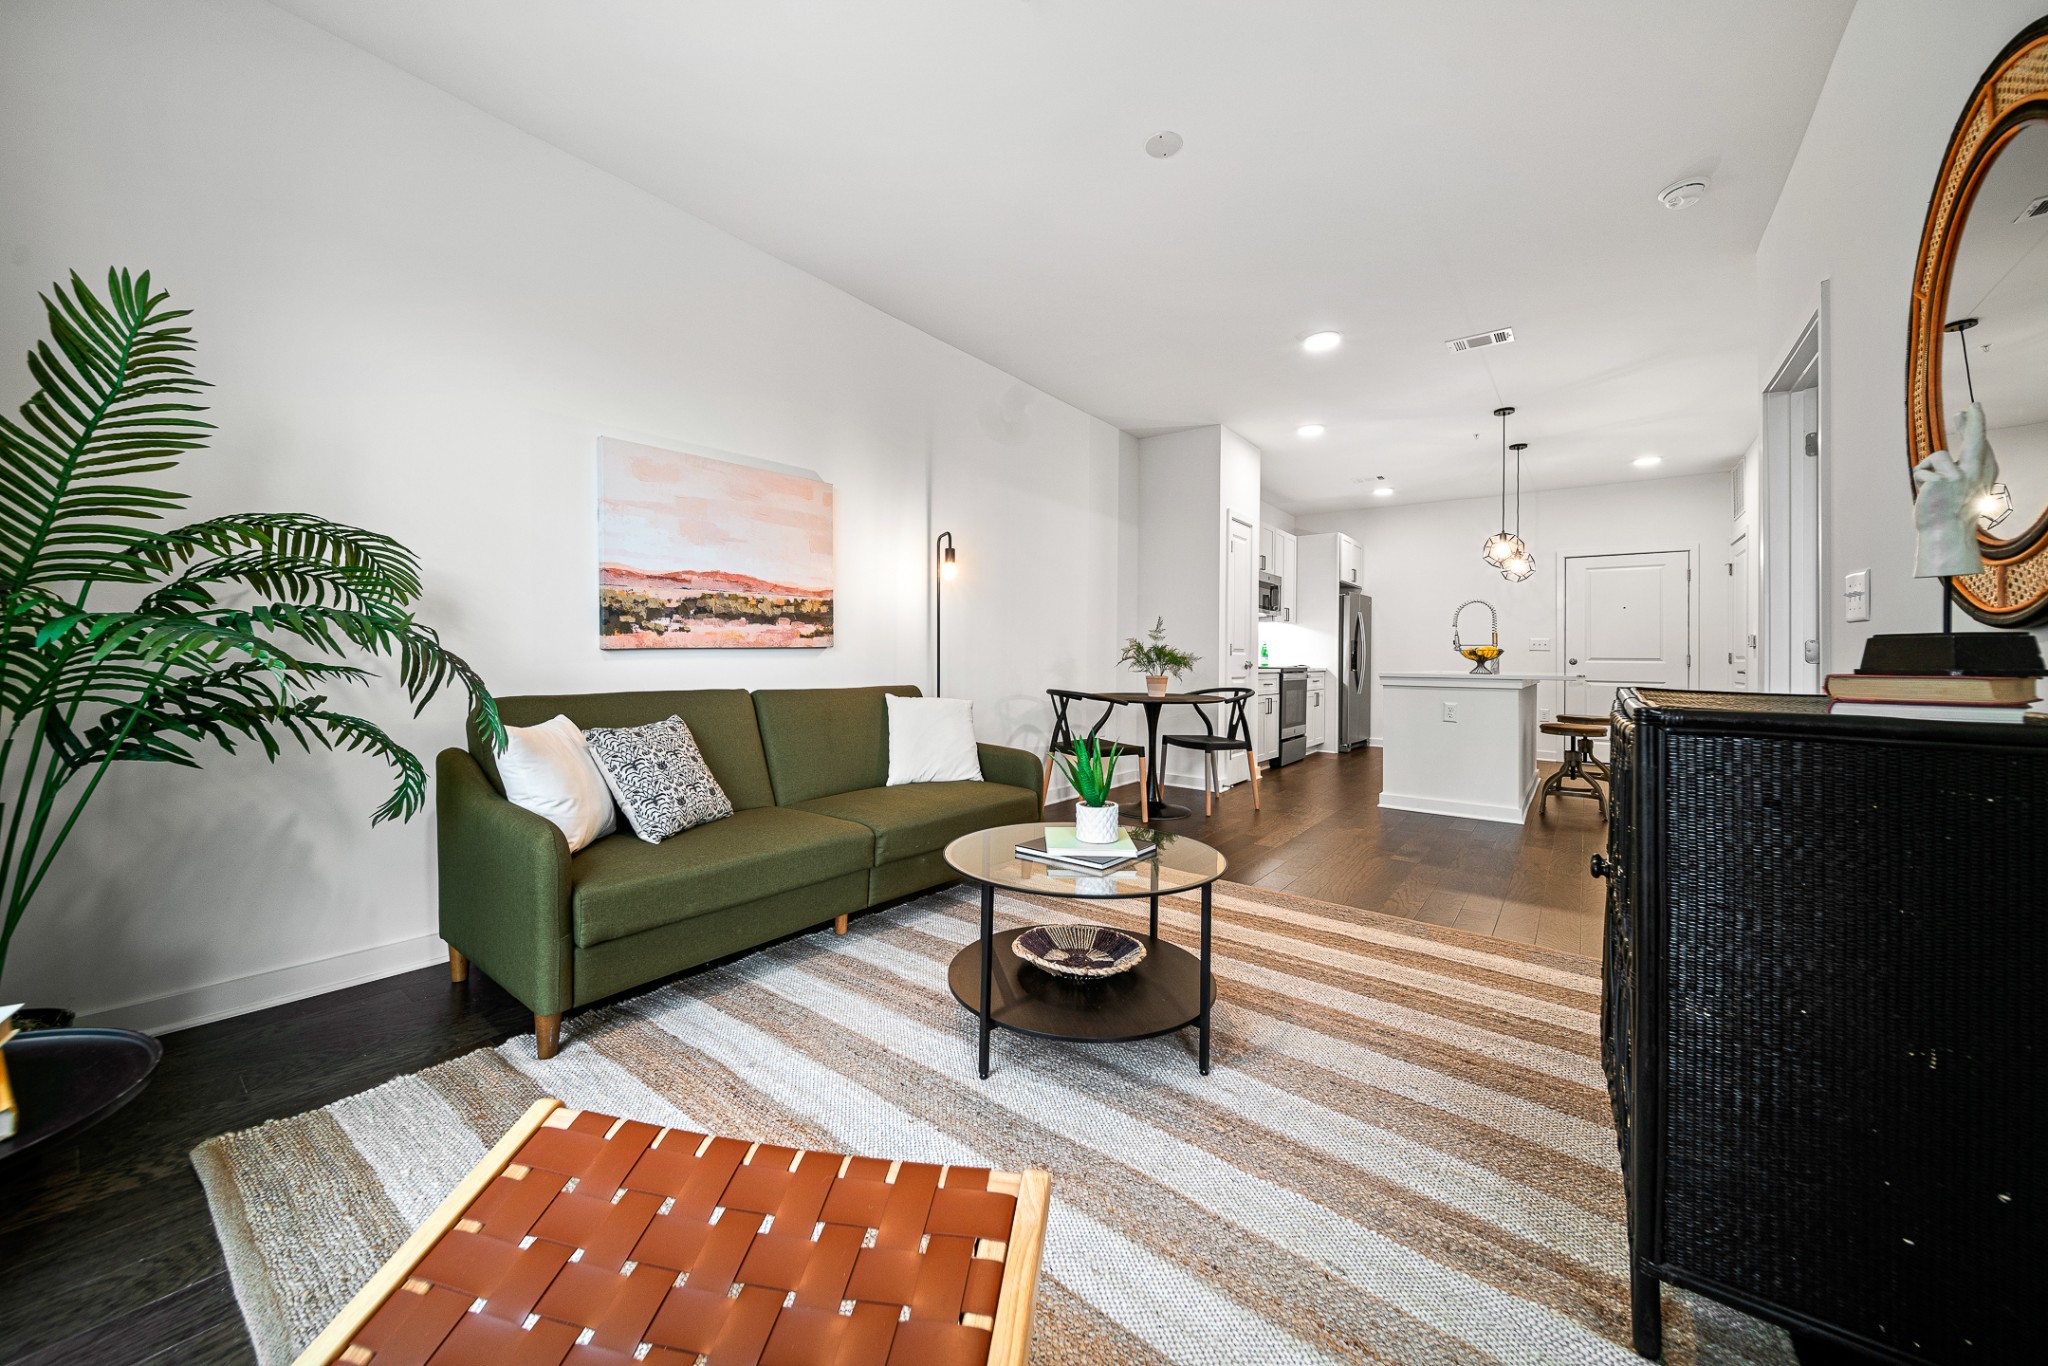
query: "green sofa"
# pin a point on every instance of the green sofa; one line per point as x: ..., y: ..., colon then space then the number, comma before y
x: 814, y: 835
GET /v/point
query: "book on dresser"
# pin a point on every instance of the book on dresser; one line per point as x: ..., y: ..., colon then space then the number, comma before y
x: 1949, y: 690
x: 1931, y: 711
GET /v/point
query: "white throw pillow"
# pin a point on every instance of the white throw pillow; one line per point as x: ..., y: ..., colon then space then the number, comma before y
x: 547, y: 769
x: 931, y: 740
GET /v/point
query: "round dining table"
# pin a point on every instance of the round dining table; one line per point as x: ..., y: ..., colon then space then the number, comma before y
x: 1155, y: 792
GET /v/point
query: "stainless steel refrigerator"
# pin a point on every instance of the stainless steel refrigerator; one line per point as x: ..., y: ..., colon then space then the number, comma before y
x: 1354, y: 671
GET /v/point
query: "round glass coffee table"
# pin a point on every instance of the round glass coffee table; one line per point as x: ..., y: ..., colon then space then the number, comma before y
x: 1169, y: 990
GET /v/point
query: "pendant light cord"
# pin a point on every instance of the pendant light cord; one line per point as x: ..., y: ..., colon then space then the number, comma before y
x: 1518, y: 495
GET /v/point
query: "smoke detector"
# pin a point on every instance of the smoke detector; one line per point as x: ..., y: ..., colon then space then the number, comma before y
x: 1162, y: 145
x: 1498, y: 337
x: 1683, y: 195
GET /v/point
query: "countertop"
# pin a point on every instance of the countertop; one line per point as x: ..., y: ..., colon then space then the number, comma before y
x: 1463, y: 679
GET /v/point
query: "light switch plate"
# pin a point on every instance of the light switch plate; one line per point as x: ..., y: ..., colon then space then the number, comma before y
x: 1451, y: 711
x: 1539, y: 643
x: 1856, y: 595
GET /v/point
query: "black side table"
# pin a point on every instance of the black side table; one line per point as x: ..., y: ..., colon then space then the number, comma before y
x: 1169, y: 990
x: 65, y: 1079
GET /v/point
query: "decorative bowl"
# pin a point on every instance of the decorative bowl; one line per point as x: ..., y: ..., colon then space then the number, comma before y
x: 1079, y: 950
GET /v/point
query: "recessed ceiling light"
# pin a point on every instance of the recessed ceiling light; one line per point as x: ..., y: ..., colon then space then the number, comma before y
x: 1322, y: 341
x: 1383, y: 493
x: 1162, y: 145
x: 1645, y: 461
x: 1309, y: 429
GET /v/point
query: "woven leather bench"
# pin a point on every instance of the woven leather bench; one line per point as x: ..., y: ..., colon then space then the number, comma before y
x: 585, y: 1240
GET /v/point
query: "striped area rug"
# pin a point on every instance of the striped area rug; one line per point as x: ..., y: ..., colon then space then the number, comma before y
x: 1403, y: 1153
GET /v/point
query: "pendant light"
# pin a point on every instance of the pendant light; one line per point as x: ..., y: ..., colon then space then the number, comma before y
x: 1502, y: 544
x: 1520, y: 563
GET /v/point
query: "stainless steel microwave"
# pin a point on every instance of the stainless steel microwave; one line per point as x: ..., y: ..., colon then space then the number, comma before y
x: 1269, y: 595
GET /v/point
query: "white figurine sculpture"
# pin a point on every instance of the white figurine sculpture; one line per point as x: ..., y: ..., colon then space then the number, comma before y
x: 1947, y: 501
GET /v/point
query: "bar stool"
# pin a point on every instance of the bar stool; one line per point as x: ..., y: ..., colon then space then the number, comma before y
x: 1579, y: 737
x: 1590, y: 759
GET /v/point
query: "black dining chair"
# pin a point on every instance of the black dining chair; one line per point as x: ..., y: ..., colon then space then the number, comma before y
x: 1062, y: 742
x: 1237, y: 735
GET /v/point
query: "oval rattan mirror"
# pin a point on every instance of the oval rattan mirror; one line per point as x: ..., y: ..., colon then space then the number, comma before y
x: 1978, y: 328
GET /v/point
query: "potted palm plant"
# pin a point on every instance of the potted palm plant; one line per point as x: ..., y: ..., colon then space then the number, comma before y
x: 229, y: 630
x: 1092, y: 769
x: 1157, y: 660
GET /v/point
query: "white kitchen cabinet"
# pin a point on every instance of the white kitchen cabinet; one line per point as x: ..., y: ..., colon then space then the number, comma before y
x: 1318, y: 711
x: 1348, y: 558
x: 1287, y: 544
x: 1266, y: 718
x: 1269, y: 554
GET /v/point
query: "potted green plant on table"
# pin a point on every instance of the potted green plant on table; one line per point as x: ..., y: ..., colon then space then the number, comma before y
x: 1092, y: 770
x: 230, y: 630
x: 1157, y: 660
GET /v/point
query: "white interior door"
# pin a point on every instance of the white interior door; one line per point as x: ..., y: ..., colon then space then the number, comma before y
x: 1804, y: 533
x: 1627, y: 623
x: 1741, y: 619
x: 1239, y: 655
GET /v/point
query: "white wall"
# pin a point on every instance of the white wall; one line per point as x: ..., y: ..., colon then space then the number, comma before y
x: 420, y: 320
x: 1180, y: 529
x: 1190, y: 483
x: 1851, y: 213
x: 1422, y: 560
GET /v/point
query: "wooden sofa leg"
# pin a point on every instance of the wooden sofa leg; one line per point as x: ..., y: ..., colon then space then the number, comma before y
x: 839, y: 924
x: 547, y: 1035
x: 458, y: 965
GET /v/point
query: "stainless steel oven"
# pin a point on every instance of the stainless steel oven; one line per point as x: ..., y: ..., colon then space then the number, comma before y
x: 1293, y: 715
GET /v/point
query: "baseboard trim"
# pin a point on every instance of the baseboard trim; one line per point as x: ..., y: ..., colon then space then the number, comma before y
x: 1439, y: 806
x: 260, y: 990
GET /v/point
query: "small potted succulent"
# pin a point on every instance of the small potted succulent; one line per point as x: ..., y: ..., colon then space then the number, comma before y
x: 1091, y: 768
x: 1158, y: 661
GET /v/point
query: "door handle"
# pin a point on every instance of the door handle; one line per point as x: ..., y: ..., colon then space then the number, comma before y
x: 1571, y: 661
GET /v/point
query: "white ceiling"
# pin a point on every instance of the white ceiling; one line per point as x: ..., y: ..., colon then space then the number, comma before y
x: 1405, y: 173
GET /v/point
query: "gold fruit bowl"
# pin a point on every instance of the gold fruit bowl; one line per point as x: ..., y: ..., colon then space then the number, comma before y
x: 1481, y: 653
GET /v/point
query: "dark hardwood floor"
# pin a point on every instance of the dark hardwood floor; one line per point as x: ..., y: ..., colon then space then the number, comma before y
x: 109, y: 1253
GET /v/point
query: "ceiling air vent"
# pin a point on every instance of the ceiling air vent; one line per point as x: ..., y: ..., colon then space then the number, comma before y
x: 2033, y: 210
x: 1478, y: 339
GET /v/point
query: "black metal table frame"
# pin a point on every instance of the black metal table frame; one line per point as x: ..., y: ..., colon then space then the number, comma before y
x: 1203, y: 991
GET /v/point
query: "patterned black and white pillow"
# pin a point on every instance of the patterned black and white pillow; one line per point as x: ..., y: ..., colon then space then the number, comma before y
x: 659, y: 777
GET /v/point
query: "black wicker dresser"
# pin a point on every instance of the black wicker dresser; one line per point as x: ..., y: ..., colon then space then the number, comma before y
x: 1826, y: 985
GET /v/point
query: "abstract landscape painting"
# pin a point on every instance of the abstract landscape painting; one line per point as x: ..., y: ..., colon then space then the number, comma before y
x: 698, y: 553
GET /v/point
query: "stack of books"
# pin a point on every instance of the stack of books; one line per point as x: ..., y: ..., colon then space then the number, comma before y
x: 1058, y: 848
x: 8, y: 1118
x: 1917, y: 677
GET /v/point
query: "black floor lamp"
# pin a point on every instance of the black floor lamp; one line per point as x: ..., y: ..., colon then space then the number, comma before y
x: 943, y: 548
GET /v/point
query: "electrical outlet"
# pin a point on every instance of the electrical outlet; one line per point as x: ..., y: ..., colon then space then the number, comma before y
x: 1539, y: 644
x: 1450, y: 711
x: 1856, y: 595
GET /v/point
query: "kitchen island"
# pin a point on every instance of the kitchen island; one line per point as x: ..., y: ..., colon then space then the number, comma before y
x: 1459, y: 744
